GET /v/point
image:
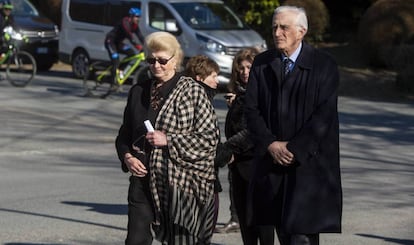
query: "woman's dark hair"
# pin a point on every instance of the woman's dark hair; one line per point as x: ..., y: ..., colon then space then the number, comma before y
x: 202, y: 66
x: 244, y: 54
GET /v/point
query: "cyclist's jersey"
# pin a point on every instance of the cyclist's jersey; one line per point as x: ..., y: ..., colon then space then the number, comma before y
x: 125, y: 30
x: 4, y: 22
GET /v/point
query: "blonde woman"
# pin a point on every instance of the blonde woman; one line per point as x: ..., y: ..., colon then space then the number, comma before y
x: 178, y: 167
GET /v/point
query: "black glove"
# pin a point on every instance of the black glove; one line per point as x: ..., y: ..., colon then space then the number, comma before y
x: 223, y: 155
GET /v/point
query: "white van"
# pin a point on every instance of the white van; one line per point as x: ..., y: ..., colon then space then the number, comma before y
x: 206, y: 27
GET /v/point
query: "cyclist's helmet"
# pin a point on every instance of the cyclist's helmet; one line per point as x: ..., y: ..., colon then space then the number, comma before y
x: 135, y: 12
x: 7, y: 5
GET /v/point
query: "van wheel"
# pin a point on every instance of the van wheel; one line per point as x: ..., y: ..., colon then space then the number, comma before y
x: 80, y: 63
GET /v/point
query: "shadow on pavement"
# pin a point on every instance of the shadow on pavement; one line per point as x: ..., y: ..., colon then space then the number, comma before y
x: 61, y: 218
x: 56, y: 73
x: 115, y: 209
x: 389, y: 239
x: 26, y: 243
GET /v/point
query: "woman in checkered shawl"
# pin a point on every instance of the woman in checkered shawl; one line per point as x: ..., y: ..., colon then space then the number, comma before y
x: 179, y: 162
x: 182, y: 161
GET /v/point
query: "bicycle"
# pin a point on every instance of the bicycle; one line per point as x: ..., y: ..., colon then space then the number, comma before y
x: 98, y: 80
x: 20, y: 65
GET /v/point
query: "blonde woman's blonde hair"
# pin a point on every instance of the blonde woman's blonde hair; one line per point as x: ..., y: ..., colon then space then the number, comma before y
x: 164, y: 41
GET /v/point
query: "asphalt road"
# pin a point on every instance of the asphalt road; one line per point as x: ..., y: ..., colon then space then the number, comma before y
x: 60, y: 181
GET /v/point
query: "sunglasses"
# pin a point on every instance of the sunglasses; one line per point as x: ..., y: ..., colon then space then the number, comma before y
x: 161, y: 61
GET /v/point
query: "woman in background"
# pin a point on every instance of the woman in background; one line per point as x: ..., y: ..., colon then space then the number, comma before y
x: 205, y: 71
x: 239, y: 148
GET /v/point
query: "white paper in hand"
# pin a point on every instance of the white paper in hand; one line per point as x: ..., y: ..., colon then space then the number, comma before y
x: 149, y: 126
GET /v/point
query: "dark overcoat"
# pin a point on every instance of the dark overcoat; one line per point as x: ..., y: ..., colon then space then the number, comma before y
x: 301, y: 109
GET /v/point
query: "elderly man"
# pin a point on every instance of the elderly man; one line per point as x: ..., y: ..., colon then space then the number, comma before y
x: 291, y: 111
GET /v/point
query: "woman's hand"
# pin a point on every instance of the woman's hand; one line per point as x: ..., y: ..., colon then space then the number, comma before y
x: 134, y: 165
x: 229, y: 98
x: 157, y: 138
x: 231, y: 160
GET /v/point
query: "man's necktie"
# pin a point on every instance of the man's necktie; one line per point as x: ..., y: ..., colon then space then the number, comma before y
x: 288, y: 63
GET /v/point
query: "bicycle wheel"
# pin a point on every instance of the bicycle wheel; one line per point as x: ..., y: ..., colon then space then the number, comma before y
x: 21, y: 69
x: 97, y: 82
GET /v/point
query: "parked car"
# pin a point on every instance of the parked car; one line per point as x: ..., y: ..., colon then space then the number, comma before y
x: 42, y: 33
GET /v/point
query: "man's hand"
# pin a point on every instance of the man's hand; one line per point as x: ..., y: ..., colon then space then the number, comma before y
x: 280, y: 153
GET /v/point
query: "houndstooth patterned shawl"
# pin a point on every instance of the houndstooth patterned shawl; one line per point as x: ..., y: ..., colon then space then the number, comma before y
x: 182, y: 173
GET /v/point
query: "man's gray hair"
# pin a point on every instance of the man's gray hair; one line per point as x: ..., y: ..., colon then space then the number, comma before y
x: 301, y: 20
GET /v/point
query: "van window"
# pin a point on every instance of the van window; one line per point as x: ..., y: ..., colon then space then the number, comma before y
x: 88, y: 11
x: 118, y: 10
x: 161, y: 18
x: 100, y: 12
x: 208, y: 16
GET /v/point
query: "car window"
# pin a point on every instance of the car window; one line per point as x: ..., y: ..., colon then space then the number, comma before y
x: 24, y: 8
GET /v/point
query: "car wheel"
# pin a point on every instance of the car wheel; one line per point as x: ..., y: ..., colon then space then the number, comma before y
x: 80, y: 63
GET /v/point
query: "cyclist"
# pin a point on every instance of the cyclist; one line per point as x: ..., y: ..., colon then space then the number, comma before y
x: 6, y: 19
x: 115, y: 43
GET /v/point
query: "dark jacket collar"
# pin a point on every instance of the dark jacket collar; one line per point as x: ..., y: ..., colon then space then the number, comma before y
x: 211, y: 92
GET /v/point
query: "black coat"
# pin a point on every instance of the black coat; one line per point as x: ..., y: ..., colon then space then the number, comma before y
x: 238, y: 142
x: 217, y: 184
x: 136, y: 111
x: 303, y: 111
